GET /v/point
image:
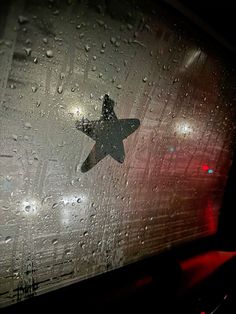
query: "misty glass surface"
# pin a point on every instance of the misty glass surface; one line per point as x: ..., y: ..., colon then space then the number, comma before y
x: 89, y: 182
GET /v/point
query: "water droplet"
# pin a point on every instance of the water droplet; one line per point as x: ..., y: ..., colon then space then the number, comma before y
x: 27, y: 208
x: 113, y: 40
x: 22, y: 19
x: 35, y: 60
x: 8, y: 239
x: 15, y: 137
x: 34, y: 89
x: 94, y: 68
x: 54, y: 241
x: 119, y: 86
x: 87, y: 47
x: 49, y: 53
x: 67, y: 251
x: 45, y: 40
x: 62, y: 76
x: 148, y: 28
x: 79, y: 200
x: 28, y: 125
x: 28, y: 41
x: 28, y: 51
x: 145, y: 79
x: 100, y: 22
x: 38, y: 103
x: 56, y: 12
x: 55, y: 205
x: 60, y: 89
x: 85, y: 233
x: 46, y: 198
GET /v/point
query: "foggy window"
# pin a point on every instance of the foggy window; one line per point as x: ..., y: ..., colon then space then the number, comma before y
x: 115, y: 140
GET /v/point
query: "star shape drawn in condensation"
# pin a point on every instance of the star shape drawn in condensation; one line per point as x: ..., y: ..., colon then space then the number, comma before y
x: 108, y: 132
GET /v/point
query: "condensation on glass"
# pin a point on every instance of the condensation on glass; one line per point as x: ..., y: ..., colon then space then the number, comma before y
x: 57, y: 61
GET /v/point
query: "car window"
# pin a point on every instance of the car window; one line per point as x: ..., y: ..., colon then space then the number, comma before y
x: 116, y: 134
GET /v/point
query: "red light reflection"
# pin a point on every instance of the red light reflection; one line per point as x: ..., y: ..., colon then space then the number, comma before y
x: 209, y: 217
x: 199, y: 267
x: 205, y: 168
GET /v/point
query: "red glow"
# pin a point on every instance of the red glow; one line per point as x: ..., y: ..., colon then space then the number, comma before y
x: 203, y: 312
x: 199, y: 267
x: 144, y: 281
x: 209, y: 217
x: 205, y: 167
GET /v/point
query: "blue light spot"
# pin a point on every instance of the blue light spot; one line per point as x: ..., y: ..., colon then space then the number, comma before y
x: 210, y: 171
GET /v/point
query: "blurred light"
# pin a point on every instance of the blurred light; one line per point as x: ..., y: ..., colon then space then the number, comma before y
x: 72, y: 199
x: 205, y: 167
x: 77, y: 112
x: 76, y: 108
x: 209, y: 217
x: 143, y: 282
x: 192, y: 57
x: 69, y: 207
x: 183, y: 128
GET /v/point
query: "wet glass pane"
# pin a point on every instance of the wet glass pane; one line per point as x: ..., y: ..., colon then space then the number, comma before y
x: 116, y: 133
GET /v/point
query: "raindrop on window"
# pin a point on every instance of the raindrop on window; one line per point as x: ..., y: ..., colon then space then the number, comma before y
x: 87, y: 47
x: 49, y: 53
x: 22, y: 19
x: 8, y: 239
x: 60, y: 89
x: 28, y: 51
